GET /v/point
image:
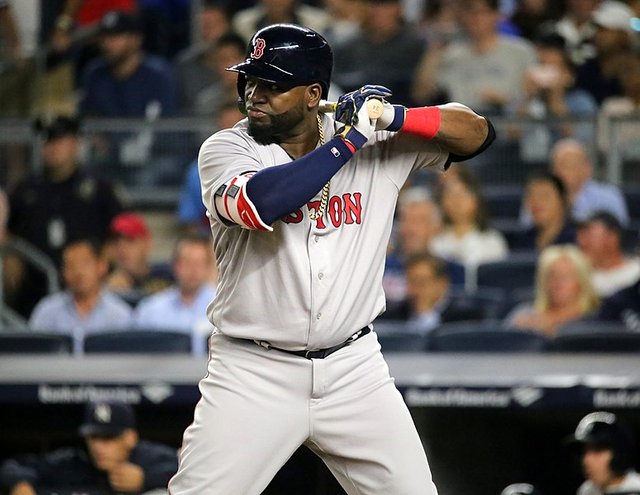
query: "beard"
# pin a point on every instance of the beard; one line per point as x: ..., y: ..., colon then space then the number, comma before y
x: 277, y: 129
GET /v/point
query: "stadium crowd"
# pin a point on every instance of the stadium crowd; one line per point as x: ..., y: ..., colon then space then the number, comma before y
x: 529, y: 236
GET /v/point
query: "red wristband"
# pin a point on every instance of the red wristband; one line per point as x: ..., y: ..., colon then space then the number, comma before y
x: 423, y: 122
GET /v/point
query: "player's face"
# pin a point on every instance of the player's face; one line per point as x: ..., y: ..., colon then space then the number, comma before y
x: 109, y: 452
x: 276, y: 113
x: 595, y: 463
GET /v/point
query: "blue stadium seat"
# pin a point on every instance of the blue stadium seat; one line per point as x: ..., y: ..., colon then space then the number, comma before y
x: 138, y: 341
x: 485, y: 336
x: 27, y: 342
x: 596, y: 336
x: 503, y: 200
x: 515, y: 272
x: 399, y: 336
x: 632, y: 197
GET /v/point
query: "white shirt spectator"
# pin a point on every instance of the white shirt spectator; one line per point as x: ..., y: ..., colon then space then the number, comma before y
x: 608, y: 282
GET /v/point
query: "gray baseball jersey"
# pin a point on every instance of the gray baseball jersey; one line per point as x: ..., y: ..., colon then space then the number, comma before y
x: 308, y: 284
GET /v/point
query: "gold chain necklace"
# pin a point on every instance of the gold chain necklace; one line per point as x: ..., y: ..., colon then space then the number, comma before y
x: 324, y: 197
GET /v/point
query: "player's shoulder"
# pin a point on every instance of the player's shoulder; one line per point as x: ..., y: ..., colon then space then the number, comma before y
x: 238, y: 133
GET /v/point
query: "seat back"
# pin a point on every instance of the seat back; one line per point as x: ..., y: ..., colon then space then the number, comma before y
x: 596, y: 336
x: 517, y: 271
x: 27, y: 342
x: 399, y: 336
x: 138, y: 341
x: 485, y: 336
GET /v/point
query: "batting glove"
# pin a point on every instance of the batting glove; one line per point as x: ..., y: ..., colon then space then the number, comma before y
x: 361, y: 130
x: 349, y: 104
x: 392, y: 117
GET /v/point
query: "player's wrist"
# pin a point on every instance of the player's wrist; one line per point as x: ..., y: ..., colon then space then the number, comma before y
x: 353, y: 139
x: 392, y: 118
x: 423, y: 122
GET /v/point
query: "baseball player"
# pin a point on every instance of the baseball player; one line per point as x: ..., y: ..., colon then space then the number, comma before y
x: 607, y: 455
x: 301, y: 208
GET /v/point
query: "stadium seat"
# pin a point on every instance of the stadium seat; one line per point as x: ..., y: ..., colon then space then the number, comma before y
x: 485, y: 304
x: 27, y: 342
x: 515, y: 272
x: 596, y: 336
x: 399, y: 336
x: 138, y: 341
x: 632, y: 197
x: 486, y: 336
x: 503, y: 200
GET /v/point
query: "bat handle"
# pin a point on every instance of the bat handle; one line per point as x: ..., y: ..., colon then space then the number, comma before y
x: 375, y: 107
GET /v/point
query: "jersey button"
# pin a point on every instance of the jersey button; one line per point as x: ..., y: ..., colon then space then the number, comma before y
x: 318, y: 316
x: 320, y: 276
x: 316, y: 238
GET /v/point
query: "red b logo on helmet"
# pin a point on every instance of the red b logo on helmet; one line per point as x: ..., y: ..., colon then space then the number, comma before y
x: 258, y: 49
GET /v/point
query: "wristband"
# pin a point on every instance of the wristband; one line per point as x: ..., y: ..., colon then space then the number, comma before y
x: 423, y: 122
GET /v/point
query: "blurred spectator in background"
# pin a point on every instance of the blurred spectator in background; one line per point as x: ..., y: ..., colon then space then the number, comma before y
x: 428, y: 302
x: 85, y: 306
x: 600, y: 239
x: 197, y: 66
x: 61, y: 203
x: 440, y: 23
x: 547, y: 204
x: 623, y: 306
x: 607, y: 452
x: 530, y: 15
x: 205, y: 84
x: 345, y: 19
x: 466, y: 236
x: 191, y: 213
x: 166, y: 25
x: 266, y: 12
x: 134, y: 275
x: 571, y: 163
x: 549, y: 93
x: 625, y: 105
x: 183, y: 307
x: 563, y: 292
x: 4, y: 215
x: 485, y: 71
x: 418, y: 220
x: 385, y: 51
x: 113, y: 459
x: 576, y: 28
x: 124, y: 81
x: 601, y: 75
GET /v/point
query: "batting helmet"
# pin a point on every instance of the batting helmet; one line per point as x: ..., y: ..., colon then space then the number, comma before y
x: 602, y: 430
x: 520, y: 489
x: 287, y: 54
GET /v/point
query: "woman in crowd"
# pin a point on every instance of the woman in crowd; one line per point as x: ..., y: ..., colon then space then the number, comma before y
x: 563, y: 292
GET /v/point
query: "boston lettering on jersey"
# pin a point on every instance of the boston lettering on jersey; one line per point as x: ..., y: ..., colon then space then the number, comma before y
x: 345, y: 209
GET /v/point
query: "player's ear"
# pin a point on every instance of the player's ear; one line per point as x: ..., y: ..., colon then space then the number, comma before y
x: 313, y: 95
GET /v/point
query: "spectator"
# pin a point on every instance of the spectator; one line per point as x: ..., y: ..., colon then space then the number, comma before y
x: 4, y: 215
x: 549, y: 93
x: 85, y: 306
x: 266, y: 12
x: 599, y: 238
x: 466, y: 237
x: 563, y: 292
x: 345, y: 19
x: 601, y: 75
x: 198, y: 67
x: 607, y: 454
x: 191, y: 213
x: 576, y: 28
x: 623, y: 306
x: 183, y: 307
x: 440, y: 24
x: 429, y: 301
x: 61, y: 203
x: 485, y: 71
x: 570, y: 162
x: 134, y: 275
x: 529, y: 15
x: 206, y: 85
x: 386, y: 38
x: 547, y: 204
x: 113, y: 459
x: 124, y: 81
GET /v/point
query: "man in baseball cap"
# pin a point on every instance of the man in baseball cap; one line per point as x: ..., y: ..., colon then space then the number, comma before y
x: 134, y: 275
x: 117, y: 461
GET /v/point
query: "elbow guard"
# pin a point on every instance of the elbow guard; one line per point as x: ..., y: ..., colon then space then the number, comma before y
x: 233, y: 204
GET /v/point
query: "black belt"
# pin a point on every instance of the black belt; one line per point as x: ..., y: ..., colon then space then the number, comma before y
x: 319, y: 353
